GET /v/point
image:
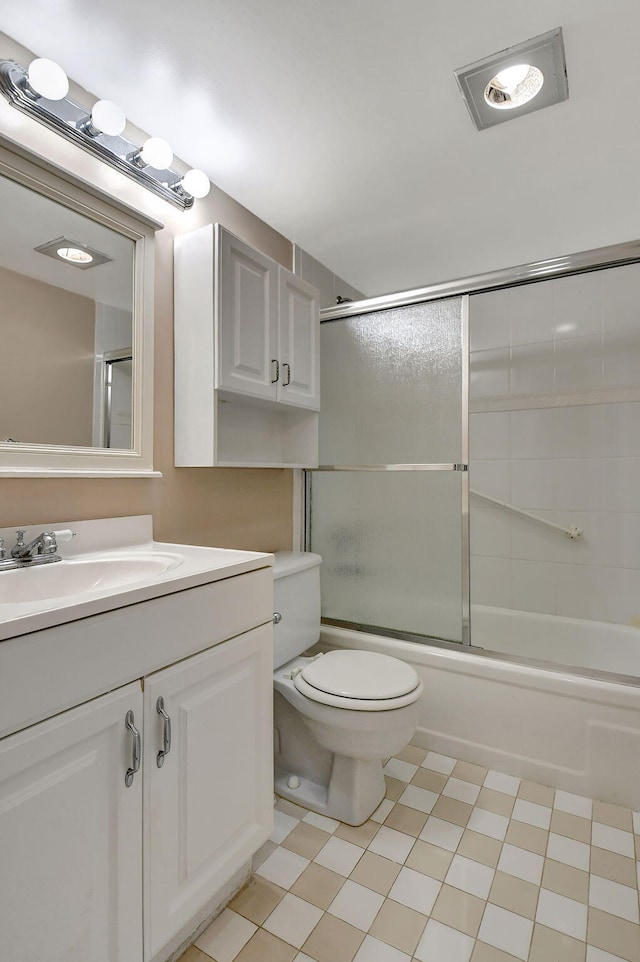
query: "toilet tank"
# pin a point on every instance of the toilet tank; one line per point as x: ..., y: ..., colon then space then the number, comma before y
x: 296, y: 592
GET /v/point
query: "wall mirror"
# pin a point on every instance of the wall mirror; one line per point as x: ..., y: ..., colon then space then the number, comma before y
x: 76, y: 315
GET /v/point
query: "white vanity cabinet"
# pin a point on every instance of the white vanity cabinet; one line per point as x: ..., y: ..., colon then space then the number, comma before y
x: 70, y: 837
x: 247, y: 356
x: 105, y: 860
x: 209, y: 802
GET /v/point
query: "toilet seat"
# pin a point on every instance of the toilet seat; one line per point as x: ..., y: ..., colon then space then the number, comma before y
x: 359, y: 680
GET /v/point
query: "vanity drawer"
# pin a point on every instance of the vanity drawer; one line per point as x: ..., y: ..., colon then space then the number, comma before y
x: 48, y: 671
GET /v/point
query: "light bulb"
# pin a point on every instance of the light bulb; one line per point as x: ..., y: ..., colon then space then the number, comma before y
x: 108, y: 118
x: 75, y: 255
x: 510, y: 77
x: 157, y: 153
x: 196, y: 183
x: 48, y: 79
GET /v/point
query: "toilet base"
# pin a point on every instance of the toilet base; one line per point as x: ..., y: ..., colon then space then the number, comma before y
x: 354, y: 792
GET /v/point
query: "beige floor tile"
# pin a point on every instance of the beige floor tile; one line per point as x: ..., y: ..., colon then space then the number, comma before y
x: 533, y: 792
x: 412, y: 754
x: 257, y: 899
x: 376, y: 872
x: 571, y: 826
x: 613, y: 815
x: 617, y: 868
x: 497, y: 802
x: 360, y: 835
x: 527, y: 836
x: 263, y: 854
x: 407, y: 820
x: 430, y: 860
x: 432, y: 781
x: 264, y: 947
x: 566, y: 880
x: 481, y: 848
x: 452, y: 810
x: 515, y: 895
x: 194, y: 955
x: 614, y: 935
x: 548, y: 945
x: 459, y: 910
x: 486, y: 953
x: 399, y: 926
x: 470, y: 773
x: 306, y: 840
x: 333, y: 940
x: 318, y: 885
x: 290, y: 808
x: 395, y: 788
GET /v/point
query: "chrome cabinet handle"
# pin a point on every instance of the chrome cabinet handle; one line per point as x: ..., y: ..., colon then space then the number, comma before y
x: 166, y: 732
x: 137, y: 749
x: 277, y: 364
x: 288, y: 381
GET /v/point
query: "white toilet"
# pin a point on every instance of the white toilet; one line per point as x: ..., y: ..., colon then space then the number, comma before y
x: 336, y: 715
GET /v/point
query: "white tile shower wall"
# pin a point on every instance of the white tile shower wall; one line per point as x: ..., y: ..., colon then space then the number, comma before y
x: 555, y: 429
x: 329, y: 284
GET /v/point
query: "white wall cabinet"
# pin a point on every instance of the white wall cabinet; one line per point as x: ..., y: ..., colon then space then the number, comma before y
x: 71, y: 837
x: 96, y: 867
x: 247, y: 347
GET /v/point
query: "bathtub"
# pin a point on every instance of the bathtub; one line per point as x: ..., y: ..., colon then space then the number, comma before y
x: 546, y: 723
x: 594, y: 645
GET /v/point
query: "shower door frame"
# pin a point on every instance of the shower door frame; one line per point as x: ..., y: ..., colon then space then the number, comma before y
x: 600, y: 258
x: 461, y: 466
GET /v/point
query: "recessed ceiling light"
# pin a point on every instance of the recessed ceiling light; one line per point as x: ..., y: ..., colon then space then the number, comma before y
x: 514, y: 86
x: 515, y: 81
x: 73, y: 253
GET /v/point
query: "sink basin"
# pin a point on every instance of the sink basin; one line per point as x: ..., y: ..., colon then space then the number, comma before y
x: 77, y: 576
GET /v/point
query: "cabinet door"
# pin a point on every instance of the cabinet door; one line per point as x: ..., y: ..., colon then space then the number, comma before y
x: 299, y: 343
x: 70, y: 837
x: 209, y: 807
x: 247, y: 318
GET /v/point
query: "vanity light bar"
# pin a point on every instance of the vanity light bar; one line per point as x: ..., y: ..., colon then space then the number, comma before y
x: 26, y: 90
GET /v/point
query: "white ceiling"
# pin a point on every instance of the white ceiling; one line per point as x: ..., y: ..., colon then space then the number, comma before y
x: 339, y: 122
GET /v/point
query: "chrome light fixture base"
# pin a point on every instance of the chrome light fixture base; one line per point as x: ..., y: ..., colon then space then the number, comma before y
x: 73, y: 121
x: 546, y: 53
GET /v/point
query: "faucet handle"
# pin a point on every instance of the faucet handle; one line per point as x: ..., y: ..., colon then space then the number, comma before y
x: 20, y: 537
x: 3, y: 553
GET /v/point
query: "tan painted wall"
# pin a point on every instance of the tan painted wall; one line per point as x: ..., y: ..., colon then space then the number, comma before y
x: 46, y: 374
x: 227, y: 507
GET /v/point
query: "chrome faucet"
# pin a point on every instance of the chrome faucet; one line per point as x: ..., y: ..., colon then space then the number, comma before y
x: 42, y: 550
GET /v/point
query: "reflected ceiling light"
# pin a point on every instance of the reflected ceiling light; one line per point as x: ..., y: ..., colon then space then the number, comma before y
x: 515, y: 81
x: 73, y: 252
x: 75, y: 255
x: 41, y: 93
x: 46, y: 79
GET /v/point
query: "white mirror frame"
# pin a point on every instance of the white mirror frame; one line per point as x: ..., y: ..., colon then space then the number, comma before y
x: 47, y: 461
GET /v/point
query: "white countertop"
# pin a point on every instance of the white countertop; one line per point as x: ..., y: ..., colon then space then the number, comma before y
x: 116, y: 540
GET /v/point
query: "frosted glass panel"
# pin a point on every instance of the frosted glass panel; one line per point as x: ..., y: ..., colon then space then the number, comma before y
x: 392, y: 549
x: 391, y: 386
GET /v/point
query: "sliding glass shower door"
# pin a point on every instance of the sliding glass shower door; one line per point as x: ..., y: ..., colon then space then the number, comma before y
x: 388, y: 506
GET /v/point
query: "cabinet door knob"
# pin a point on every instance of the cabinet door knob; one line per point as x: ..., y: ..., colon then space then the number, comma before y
x: 277, y: 364
x: 288, y: 381
x: 166, y: 732
x: 137, y: 749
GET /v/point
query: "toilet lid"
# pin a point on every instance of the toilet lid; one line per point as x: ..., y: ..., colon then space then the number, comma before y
x: 360, y: 674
